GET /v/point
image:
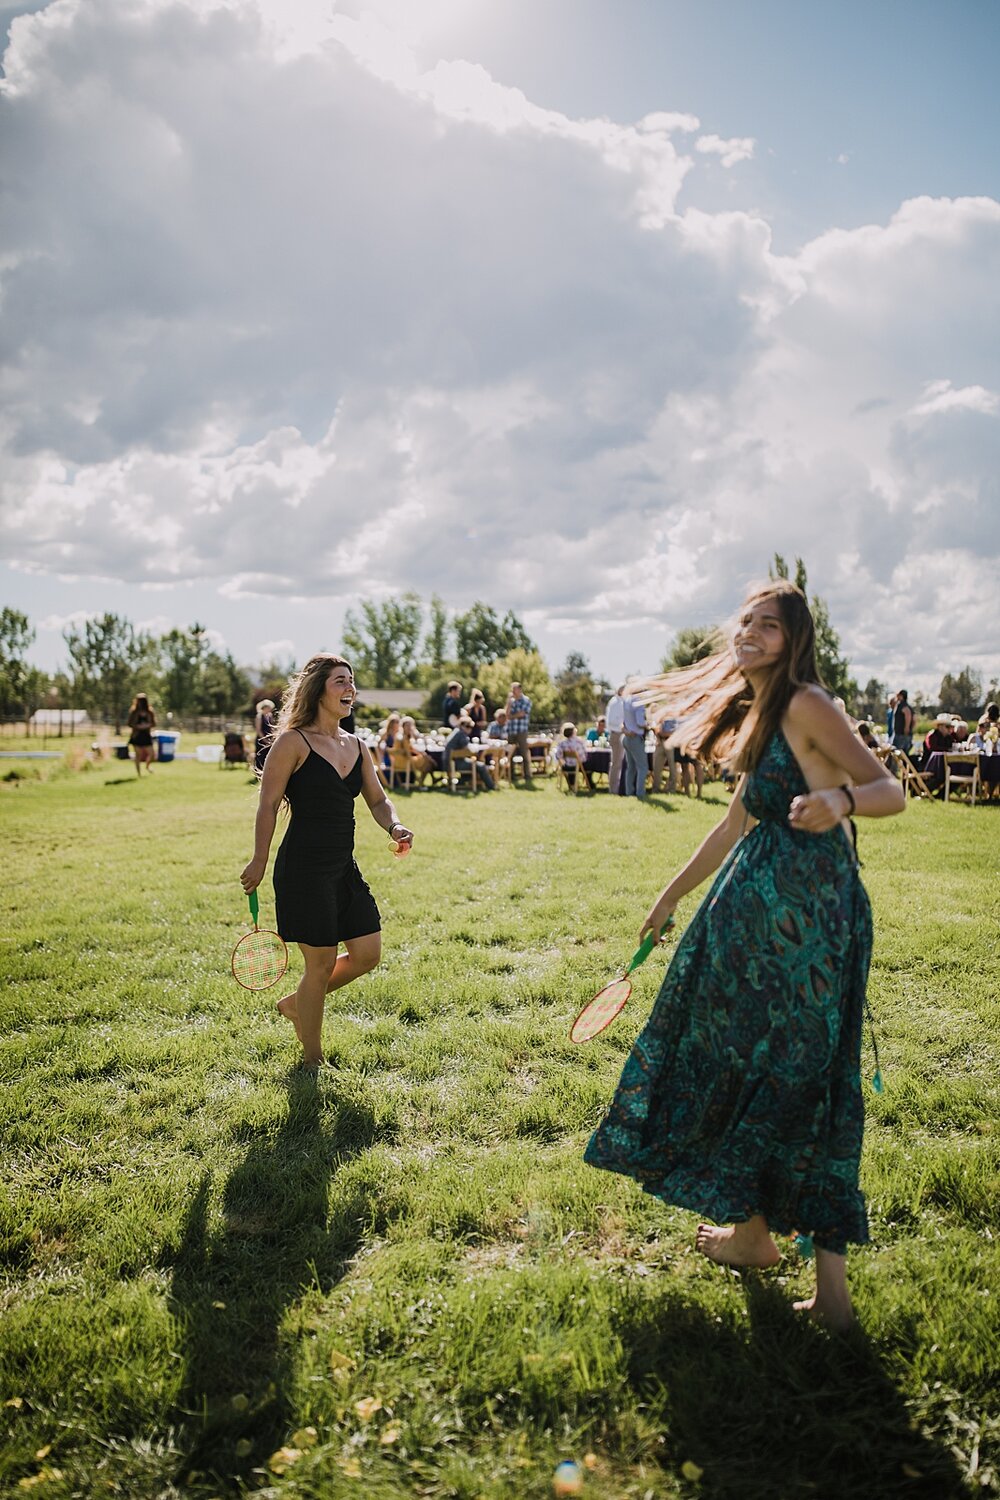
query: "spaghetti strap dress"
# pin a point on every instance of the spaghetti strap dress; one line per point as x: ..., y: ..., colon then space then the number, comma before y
x: 742, y: 1095
x: 320, y: 895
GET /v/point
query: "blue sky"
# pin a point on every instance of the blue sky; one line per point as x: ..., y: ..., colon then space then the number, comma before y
x: 582, y: 309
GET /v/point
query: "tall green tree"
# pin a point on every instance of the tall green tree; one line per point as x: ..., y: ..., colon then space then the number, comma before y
x: 529, y: 669
x: 436, y: 644
x: 578, y: 695
x: 481, y: 637
x: 16, y: 639
x: 106, y: 656
x: 832, y: 664
x: 961, y: 693
x: 692, y: 644
x: 382, y: 641
x: 183, y: 655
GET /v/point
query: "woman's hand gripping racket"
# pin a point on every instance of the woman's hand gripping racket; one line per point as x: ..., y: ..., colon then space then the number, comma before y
x: 260, y: 958
x: 608, y: 1003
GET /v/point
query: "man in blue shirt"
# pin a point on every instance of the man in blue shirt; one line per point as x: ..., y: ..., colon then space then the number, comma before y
x: 518, y: 719
x: 634, y: 714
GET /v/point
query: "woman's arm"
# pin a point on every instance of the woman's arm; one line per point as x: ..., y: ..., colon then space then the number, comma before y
x: 704, y: 862
x: 379, y: 804
x: 285, y: 756
x: 874, y: 791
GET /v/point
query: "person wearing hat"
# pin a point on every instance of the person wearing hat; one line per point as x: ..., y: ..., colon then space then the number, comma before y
x: 940, y: 739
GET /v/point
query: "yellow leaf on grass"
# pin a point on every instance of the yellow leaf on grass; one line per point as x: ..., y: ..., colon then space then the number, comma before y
x: 351, y: 1467
x: 44, y: 1452
x: 16, y: 1402
x: 306, y: 1437
x: 340, y: 1361
x: 281, y: 1462
x: 390, y: 1435
x: 691, y: 1471
x: 590, y: 1460
x: 367, y: 1407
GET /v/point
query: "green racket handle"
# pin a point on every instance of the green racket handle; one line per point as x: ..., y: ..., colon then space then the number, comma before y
x: 254, y: 907
x: 646, y: 947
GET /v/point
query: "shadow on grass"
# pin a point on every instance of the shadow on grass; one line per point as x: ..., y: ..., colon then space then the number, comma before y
x: 233, y: 1284
x: 785, y: 1410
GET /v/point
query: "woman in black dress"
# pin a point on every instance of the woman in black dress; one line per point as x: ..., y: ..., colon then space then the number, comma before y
x: 321, y: 898
x: 141, y: 721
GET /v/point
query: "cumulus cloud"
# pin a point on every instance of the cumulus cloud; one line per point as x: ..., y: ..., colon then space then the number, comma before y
x: 292, y: 316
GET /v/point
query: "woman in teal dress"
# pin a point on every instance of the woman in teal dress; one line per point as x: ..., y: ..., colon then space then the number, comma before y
x: 741, y: 1098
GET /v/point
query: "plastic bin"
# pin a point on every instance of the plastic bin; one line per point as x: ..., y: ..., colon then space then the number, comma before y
x: 166, y: 744
x: 121, y: 752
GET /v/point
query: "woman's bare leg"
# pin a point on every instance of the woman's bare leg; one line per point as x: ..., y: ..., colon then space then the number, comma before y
x: 747, y: 1244
x: 362, y: 955
x: 831, y: 1301
x: 309, y: 999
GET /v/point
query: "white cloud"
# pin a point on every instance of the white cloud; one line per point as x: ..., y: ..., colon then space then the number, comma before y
x: 307, y: 319
x: 729, y: 152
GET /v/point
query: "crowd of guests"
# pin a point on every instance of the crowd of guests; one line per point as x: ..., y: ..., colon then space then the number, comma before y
x: 948, y: 733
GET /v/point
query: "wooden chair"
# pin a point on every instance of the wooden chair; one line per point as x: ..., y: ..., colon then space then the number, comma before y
x: 400, y: 766
x: 961, y: 774
x: 563, y: 778
x: 453, y: 772
x: 911, y: 779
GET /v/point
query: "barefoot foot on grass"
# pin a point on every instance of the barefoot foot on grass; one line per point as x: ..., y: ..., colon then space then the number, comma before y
x: 833, y: 1313
x: 739, y: 1245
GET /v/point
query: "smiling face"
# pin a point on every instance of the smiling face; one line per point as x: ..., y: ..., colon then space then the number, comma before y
x: 759, y: 640
x: 339, y: 692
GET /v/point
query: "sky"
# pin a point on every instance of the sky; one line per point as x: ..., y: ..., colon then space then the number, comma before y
x: 582, y: 309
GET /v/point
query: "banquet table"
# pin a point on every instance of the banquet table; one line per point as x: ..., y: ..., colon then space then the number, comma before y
x: 989, y: 769
x: 599, y: 761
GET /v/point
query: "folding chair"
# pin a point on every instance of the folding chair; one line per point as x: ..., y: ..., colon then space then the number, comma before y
x: 400, y: 765
x: 454, y: 773
x: 572, y: 783
x: 912, y: 780
x: 959, y: 776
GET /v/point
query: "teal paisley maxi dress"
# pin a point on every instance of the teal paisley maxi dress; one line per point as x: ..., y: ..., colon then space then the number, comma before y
x: 742, y: 1094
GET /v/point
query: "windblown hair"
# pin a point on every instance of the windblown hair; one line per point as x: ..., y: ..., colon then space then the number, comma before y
x: 724, y: 718
x: 300, y: 701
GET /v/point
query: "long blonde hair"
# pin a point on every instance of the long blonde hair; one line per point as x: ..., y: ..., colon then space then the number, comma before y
x: 300, y: 702
x: 724, y: 718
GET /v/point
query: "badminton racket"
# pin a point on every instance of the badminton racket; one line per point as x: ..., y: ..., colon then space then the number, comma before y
x: 260, y: 958
x: 598, y: 1013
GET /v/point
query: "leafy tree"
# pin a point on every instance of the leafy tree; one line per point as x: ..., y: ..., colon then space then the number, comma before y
x: 183, y: 653
x: 482, y: 637
x: 529, y: 669
x: 224, y: 687
x: 578, y: 694
x: 16, y: 638
x: 961, y: 693
x: 436, y: 645
x: 833, y: 666
x: 106, y: 656
x: 382, y: 641
x: 873, y: 700
x: 692, y: 644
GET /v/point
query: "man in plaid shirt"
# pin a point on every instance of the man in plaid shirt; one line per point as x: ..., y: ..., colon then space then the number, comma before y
x: 518, y: 719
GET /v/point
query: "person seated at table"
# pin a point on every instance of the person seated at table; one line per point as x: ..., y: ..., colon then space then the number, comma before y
x: 866, y: 734
x: 599, y: 731
x: 940, y: 739
x: 571, y: 753
x: 387, y: 735
x: 983, y: 740
x: 459, y: 739
x: 960, y: 731
x: 497, y: 727
x: 420, y: 762
x: 476, y: 710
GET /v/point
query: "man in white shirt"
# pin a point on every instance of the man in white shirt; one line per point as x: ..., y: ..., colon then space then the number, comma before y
x: 615, y: 716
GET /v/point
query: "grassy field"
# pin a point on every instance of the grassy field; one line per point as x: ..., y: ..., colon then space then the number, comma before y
x: 401, y: 1279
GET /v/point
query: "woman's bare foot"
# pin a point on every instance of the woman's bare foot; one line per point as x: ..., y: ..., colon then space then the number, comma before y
x: 748, y: 1245
x: 286, y: 1007
x: 834, y: 1313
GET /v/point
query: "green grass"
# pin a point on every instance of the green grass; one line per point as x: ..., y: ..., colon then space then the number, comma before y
x: 207, y: 1259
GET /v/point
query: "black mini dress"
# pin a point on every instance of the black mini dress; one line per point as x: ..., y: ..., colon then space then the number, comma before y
x: 320, y: 895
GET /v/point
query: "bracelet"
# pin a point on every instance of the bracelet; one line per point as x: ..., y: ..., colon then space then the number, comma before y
x: 852, y: 805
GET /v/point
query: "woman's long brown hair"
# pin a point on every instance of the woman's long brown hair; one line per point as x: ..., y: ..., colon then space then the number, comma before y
x: 301, y: 699
x: 724, y: 718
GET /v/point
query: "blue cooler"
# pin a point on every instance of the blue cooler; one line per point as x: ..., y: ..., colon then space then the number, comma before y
x: 166, y: 744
